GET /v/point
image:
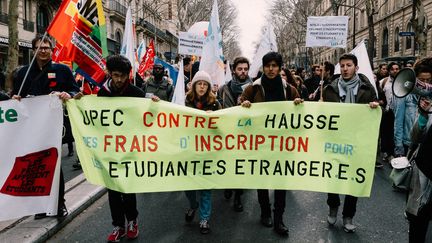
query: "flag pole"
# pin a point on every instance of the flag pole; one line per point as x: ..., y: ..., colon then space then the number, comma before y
x: 31, y: 63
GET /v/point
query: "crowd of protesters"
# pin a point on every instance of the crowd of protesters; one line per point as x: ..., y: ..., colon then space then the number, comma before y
x: 405, y: 124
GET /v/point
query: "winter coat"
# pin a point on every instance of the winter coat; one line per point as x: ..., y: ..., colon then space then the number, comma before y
x: 255, y: 92
x: 366, y: 92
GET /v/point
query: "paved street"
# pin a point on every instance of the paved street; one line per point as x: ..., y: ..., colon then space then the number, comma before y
x: 67, y: 162
x: 379, y: 219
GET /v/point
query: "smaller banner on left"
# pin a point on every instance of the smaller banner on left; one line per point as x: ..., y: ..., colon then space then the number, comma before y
x: 30, y: 152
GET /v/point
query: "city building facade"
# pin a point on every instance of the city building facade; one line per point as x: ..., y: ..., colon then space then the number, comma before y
x: 34, y: 16
x: 392, y: 18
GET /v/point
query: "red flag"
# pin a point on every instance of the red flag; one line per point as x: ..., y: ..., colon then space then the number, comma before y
x: 80, y: 33
x: 147, y: 61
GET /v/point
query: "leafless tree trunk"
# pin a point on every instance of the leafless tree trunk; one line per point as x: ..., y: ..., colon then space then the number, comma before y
x: 13, y: 40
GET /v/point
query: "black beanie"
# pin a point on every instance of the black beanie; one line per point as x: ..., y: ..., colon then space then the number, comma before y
x: 272, y: 56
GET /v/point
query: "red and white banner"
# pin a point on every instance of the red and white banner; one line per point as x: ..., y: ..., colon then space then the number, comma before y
x: 30, y: 145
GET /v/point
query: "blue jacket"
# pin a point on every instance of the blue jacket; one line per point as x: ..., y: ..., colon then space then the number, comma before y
x: 405, y: 110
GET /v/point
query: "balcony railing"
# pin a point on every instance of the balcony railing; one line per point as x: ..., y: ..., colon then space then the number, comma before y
x: 4, y: 18
x: 117, y: 7
x: 28, y: 25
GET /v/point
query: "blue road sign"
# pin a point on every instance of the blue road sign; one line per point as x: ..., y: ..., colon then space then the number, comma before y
x: 406, y: 33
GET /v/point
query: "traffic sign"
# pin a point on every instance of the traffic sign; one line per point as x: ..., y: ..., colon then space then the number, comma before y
x: 406, y: 33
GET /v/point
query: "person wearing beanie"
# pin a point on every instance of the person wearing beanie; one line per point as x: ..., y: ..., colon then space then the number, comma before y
x: 200, y: 97
x: 271, y: 87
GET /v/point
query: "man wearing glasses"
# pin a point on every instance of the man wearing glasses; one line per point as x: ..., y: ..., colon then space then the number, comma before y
x: 46, y: 77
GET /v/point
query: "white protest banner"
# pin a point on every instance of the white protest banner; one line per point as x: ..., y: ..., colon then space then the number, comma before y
x: 190, y: 44
x: 331, y: 31
x: 31, y: 134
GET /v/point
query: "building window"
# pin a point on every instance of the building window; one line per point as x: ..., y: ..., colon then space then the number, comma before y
x: 396, y: 39
x: 408, y: 40
x: 385, y: 46
x: 27, y: 10
x: 42, y: 20
x: 118, y: 36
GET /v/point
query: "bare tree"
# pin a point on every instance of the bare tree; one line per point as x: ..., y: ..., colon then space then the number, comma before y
x: 290, y: 19
x: 192, y: 11
x: 13, y: 40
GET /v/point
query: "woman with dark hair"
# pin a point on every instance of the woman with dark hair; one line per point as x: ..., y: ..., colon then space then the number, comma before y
x: 200, y: 97
x: 286, y: 75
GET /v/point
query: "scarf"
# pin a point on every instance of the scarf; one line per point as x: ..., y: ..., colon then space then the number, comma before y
x: 200, y: 103
x: 348, y: 89
x: 237, y: 87
x: 273, y: 88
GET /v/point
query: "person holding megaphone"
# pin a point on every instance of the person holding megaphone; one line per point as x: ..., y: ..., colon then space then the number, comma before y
x: 419, y: 207
x: 408, y: 86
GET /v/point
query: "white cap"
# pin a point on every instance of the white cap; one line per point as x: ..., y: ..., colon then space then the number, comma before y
x: 201, y: 76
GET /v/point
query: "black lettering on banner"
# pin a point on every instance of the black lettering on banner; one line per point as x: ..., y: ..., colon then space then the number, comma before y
x: 361, y: 173
x: 333, y: 122
x: 302, y: 170
x: 126, y: 164
x: 170, y: 169
x: 149, y: 168
x: 195, y: 162
x: 307, y: 120
x: 112, y: 169
x: 252, y: 161
x: 277, y: 168
x: 321, y: 119
x: 313, y: 168
x: 342, y: 171
x: 207, y: 167
x: 239, y: 166
x: 221, y: 167
x: 264, y: 166
x: 327, y: 169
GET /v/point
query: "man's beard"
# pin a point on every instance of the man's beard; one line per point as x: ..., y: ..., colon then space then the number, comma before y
x: 241, y: 80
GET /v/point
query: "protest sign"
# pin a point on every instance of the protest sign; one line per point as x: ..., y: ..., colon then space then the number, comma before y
x: 331, y: 31
x: 30, y: 156
x: 190, y: 44
x: 136, y: 145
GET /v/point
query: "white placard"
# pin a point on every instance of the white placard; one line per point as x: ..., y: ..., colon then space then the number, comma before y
x: 190, y: 44
x: 30, y: 152
x: 330, y: 31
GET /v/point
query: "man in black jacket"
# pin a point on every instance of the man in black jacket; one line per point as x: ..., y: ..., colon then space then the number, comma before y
x: 122, y: 205
x: 46, y: 77
x: 228, y: 95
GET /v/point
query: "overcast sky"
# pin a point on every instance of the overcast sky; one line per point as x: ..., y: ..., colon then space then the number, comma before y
x: 251, y: 17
